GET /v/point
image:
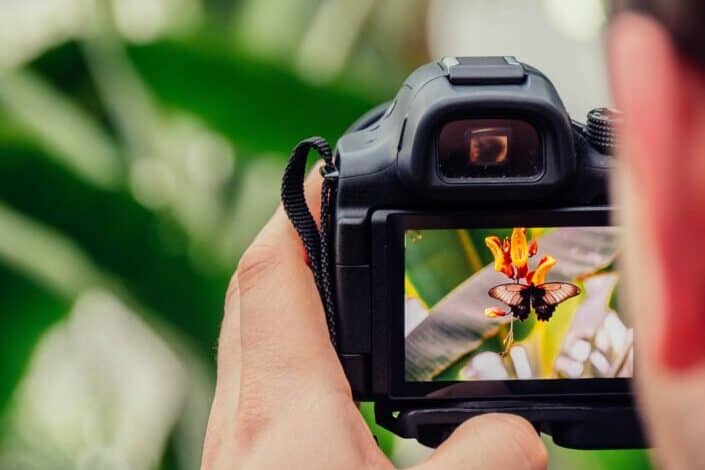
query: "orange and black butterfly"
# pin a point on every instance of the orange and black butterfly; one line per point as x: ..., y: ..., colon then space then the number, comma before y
x: 543, y: 298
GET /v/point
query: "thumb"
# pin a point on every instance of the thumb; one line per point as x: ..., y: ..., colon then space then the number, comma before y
x: 494, y: 441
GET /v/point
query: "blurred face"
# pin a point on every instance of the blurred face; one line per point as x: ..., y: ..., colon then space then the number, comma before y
x: 661, y: 189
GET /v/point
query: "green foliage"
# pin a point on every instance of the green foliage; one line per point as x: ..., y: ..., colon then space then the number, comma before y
x: 260, y: 107
x: 27, y: 312
x: 601, y: 459
x: 436, y: 263
x: 146, y: 255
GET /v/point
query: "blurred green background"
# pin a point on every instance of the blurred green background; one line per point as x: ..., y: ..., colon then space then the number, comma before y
x: 141, y: 146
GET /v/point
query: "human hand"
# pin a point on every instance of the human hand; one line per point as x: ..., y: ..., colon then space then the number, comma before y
x: 281, y: 398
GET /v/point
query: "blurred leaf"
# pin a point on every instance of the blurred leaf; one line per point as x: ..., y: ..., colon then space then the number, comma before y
x: 149, y: 254
x: 452, y: 373
x: 437, y: 261
x: 561, y: 458
x: 73, y: 137
x: 259, y: 106
x: 26, y: 311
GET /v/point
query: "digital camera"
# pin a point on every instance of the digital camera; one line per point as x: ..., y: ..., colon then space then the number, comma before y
x: 466, y: 257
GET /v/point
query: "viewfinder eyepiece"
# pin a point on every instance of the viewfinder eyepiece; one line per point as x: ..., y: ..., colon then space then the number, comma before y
x: 489, y: 148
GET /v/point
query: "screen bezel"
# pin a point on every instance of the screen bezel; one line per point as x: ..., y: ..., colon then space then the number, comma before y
x: 392, y: 268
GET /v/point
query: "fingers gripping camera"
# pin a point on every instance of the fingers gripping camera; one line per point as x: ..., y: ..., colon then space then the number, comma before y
x: 467, y: 257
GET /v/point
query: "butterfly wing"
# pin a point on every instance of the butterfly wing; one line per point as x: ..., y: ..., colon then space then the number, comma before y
x: 544, y: 311
x: 510, y: 294
x: 557, y: 292
x: 547, y: 296
x: 514, y: 295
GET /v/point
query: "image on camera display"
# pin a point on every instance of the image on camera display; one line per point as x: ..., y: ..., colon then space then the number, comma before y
x: 514, y: 303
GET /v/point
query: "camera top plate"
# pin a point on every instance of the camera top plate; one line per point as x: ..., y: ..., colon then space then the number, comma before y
x: 484, y: 70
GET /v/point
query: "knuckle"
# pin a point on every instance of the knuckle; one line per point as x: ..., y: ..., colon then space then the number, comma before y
x: 255, y: 263
x: 537, y: 455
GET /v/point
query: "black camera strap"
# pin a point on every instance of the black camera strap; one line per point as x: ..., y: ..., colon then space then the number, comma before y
x: 317, y: 242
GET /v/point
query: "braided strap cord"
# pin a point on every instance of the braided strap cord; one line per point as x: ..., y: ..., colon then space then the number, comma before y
x: 316, y: 241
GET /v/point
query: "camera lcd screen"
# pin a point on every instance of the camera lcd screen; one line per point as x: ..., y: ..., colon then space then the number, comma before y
x: 514, y: 303
x: 489, y: 148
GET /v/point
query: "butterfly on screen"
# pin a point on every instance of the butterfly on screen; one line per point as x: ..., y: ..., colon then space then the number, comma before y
x: 543, y: 298
x: 521, y: 298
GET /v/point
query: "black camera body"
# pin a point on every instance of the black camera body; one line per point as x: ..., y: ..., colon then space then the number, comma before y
x: 466, y: 143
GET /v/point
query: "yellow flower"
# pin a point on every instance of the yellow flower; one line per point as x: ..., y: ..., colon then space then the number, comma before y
x: 538, y: 277
x: 502, y: 259
x: 520, y: 251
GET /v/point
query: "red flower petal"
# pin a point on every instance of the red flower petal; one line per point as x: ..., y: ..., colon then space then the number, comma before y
x: 495, y: 312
